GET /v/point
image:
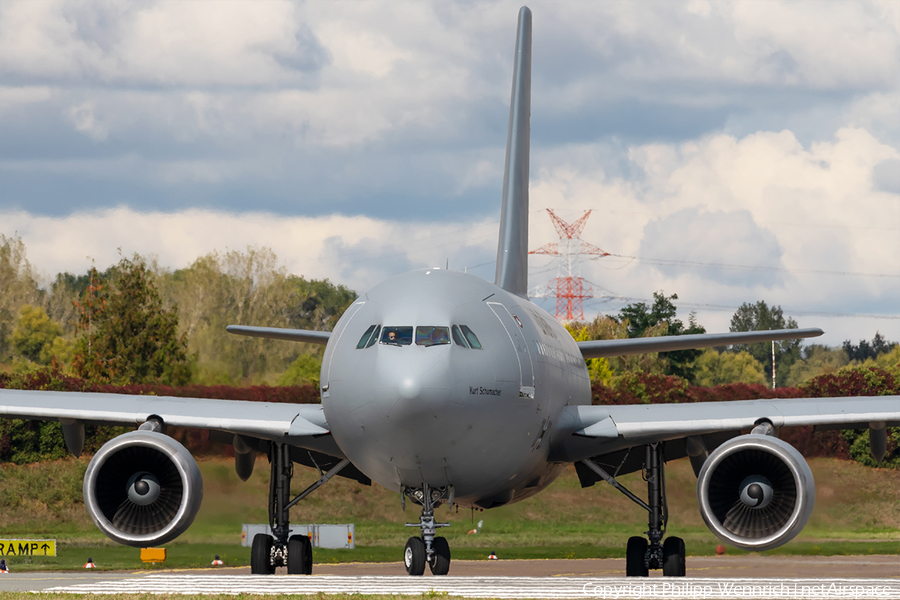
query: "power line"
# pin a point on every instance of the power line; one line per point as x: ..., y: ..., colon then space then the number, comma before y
x: 706, y: 265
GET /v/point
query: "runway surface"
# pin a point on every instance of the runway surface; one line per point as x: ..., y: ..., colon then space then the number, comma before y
x: 494, y: 587
x: 708, y: 577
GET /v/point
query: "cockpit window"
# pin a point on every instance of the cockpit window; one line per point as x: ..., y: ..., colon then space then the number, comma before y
x: 432, y: 336
x: 397, y: 336
x: 365, y: 337
x: 471, y: 337
x: 458, y: 337
x: 374, y: 337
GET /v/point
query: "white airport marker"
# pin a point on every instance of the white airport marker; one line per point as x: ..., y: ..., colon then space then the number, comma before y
x: 497, y: 587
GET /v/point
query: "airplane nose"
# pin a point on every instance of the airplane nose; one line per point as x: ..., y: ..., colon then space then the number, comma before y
x: 414, y: 383
x: 409, y: 388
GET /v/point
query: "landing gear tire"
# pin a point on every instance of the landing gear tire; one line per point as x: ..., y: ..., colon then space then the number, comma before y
x: 634, y: 557
x: 673, y: 557
x: 299, y: 559
x: 414, y: 556
x: 440, y: 560
x: 261, y: 555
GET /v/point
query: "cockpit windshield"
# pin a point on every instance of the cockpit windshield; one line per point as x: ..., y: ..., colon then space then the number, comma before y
x: 426, y: 335
x: 432, y: 336
x: 397, y: 336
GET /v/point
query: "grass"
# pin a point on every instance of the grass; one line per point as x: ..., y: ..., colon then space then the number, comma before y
x: 187, y: 556
x: 857, y: 512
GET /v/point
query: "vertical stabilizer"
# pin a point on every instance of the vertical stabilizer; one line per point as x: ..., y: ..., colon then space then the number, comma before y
x: 512, y: 251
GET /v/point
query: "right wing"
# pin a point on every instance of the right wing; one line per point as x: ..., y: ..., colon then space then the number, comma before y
x: 276, y: 333
x: 272, y: 421
x: 669, y: 343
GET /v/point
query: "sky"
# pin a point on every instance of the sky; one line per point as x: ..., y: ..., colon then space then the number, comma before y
x: 730, y: 152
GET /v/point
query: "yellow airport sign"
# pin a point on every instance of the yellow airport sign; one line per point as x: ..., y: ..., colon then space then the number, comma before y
x: 27, y: 547
x: 153, y: 554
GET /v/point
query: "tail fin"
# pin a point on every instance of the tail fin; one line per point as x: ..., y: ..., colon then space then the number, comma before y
x: 512, y: 251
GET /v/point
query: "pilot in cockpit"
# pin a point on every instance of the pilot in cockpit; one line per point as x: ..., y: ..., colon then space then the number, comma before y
x: 440, y: 336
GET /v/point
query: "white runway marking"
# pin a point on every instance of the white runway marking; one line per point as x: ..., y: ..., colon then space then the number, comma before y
x: 497, y: 587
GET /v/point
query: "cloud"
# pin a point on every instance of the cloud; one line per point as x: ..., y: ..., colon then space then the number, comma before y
x: 804, y: 226
x: 356, y: 251
x: 12, y: 98
x: 84, y: 120
x: 698, y: 237
x: 364, y: 141
x: 886, y: 176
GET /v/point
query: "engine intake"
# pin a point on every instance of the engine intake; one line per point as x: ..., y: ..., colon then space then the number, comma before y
x: 143, y: 488
x: 755, y: 492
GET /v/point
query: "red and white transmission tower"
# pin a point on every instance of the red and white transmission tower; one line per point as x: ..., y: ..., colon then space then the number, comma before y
x: 569, y: 288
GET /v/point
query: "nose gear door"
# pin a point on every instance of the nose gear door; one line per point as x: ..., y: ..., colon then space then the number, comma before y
x: 513, y: 327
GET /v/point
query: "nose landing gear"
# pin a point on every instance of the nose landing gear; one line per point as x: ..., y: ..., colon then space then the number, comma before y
x: 435, y: 551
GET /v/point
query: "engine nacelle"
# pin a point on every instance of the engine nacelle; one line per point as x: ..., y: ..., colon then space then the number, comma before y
x: 143, y: 489
x: 755, y: 492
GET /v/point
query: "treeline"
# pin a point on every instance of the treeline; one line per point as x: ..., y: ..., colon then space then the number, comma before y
x: 794, y: 363
x: 138, y: 323
x: 138, y: 328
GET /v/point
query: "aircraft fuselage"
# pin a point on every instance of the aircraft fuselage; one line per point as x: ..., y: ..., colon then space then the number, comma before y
x: 420, y: 402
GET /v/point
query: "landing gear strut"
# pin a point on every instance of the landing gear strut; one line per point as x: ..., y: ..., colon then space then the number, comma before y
x: 435, y: 551
x: 281, y: 549
x: 643, y: 554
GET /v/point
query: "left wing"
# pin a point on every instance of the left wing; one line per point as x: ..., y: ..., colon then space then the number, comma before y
x: 670, y: 343
x: 591, y: 430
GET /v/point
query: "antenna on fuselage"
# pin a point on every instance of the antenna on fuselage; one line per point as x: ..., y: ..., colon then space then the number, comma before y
x: 512, y: 249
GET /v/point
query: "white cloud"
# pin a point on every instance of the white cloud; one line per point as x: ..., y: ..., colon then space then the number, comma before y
x: 83, y: 118
x: 347, y: 250
x: 12, y: 98
x: 765, y: 200
x: 775, y: 119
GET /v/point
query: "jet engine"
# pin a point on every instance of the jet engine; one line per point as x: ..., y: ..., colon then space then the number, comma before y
x: 143, y: 489
x: 755, y: 492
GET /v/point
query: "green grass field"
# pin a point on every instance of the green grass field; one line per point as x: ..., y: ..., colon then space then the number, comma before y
x: 857, y: 512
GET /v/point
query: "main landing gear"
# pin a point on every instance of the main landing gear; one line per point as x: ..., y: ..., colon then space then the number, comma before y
x: 435, y: 551
x: 281, y: 549
x: 643, y: 554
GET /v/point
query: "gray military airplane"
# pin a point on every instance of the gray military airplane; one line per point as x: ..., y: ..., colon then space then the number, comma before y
x: 453, y: 390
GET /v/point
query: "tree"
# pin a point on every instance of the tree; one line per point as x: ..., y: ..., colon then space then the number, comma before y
x: 761, y: 317
x: 37, y: 337
x: 18, y: 286
x: 303, y: 371
x: 714, y: 368
x: 599, y: 369
x: 816, y: 360
x: 868, y: 350
x: 249, y: 288
x: 129, y: 337
x: 609, y: 328
x: 640, y: 318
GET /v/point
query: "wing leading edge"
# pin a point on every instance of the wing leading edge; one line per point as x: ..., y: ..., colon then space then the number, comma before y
x: 264, y: 420
x: 605, y: 348
x: 275, y: 333
x: 607, y: 428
